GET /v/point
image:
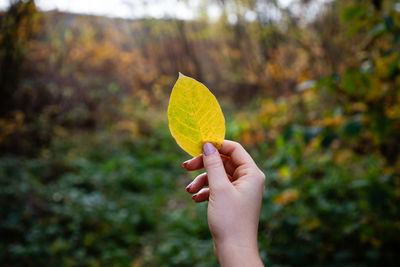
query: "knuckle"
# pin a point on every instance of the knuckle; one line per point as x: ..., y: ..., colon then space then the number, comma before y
x: 261, y: 177
x: 258, y: 175
x: 214, y: 163
x: 236, y: 144
x: 200, y: 176
x: 203, y: 192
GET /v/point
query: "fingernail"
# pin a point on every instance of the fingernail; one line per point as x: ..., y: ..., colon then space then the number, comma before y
x: 185, y: 164
x: 188, y: 187
x: 194, y: 196
x: 208, y: 149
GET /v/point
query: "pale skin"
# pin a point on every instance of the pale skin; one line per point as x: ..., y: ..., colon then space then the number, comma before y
x: 233, y: 186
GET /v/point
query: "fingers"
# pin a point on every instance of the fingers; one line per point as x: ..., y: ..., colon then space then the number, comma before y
x: 193, y: 164
x: 223, y: 168
x: 232, y: 154
x: 203, y: 195
x: 237, y: 153
x: 198, y: 183
x: 196, y: 163
x: 229, y: 166
x: 217, y: 177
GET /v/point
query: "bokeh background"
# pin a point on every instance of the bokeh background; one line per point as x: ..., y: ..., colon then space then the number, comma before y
x: 90, y: 175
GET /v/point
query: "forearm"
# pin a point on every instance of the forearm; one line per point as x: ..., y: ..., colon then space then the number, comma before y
x: 232, y: 255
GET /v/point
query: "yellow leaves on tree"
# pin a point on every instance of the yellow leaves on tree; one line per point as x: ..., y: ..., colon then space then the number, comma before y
x: 288, y: 196
x: 195, y: 116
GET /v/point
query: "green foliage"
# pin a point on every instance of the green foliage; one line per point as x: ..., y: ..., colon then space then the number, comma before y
x: 343, y: 215
x: 85, y: 201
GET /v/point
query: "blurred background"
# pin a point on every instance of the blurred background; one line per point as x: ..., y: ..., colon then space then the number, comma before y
x: 90, y: 175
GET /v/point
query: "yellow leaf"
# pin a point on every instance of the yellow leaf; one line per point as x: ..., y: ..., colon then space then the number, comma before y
x: 195, y: 116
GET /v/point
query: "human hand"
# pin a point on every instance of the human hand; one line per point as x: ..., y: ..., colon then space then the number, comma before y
x: 234, y: 194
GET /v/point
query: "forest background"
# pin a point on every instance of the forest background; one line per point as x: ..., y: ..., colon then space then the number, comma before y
x: 90, y: 175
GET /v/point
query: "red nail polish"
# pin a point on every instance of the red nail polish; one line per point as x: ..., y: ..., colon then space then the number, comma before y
x: 194, y: 196
x: 184, y: 164
x: 188, y: 187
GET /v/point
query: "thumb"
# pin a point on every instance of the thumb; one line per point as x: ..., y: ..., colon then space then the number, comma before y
x: 217, y: 178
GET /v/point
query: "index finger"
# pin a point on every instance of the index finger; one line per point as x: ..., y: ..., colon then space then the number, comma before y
x: 237, y: 153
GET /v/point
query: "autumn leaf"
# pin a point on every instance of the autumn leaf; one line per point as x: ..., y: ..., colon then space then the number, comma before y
x: 288, y: 196
x: 195, y: 116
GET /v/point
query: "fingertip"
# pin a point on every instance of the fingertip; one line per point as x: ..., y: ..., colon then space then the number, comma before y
x: 198, y: 183
x: 184, y: 164
x: 203, y: 195
x: 193, y: 164
x: 199, y: 198
x: 188, y: 187
x: 209, y: 149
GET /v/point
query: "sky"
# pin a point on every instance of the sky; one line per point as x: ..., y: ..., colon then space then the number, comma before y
x: 131, y: 8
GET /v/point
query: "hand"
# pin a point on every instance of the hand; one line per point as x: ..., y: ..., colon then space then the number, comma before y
x: 234, y: 197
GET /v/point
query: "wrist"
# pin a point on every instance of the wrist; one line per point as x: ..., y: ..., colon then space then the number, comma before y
x: 231, y: 253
